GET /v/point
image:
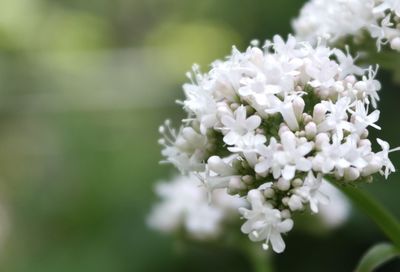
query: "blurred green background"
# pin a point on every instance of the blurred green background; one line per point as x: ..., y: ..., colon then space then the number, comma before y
x: 84, y: 86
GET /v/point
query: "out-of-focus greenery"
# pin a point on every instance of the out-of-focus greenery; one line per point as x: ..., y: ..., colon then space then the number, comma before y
x: 83, y: 88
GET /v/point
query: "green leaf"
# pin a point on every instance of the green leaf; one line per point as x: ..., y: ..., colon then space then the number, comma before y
x: 376, y: 256
x: 389, y: 224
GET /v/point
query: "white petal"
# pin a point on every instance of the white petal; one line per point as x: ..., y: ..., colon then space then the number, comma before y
x: 303, y: 164
x: 253, y: 122
x: 278, y: 245
x: 262, y: 167
x: 231, y: 138
x: 286, y: 225
x: 288, y: 172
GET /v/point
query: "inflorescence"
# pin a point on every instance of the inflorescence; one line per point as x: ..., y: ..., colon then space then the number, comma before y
x: 338, y: 19
x: 270, y: 123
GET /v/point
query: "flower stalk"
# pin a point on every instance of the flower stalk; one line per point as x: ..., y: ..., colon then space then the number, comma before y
x: 260, y: 261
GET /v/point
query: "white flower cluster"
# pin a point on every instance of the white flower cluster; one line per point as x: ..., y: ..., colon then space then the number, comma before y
x: 186, y: 206
x: 336, y: 19
x: 269, y: 124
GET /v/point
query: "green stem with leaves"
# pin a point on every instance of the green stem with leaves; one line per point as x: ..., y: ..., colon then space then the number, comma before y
x: 381, y: 216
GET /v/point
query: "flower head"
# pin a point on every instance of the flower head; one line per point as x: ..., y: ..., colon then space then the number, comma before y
x: 269, y: 123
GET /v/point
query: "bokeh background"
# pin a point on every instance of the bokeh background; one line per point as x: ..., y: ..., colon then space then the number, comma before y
x: 83, y: 88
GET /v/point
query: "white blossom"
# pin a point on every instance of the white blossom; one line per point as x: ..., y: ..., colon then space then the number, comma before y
x: 337, y: 211
x: 264, y: 222
x: 384, y: 157
x: 184, y: 204
x: 238, y: 125
x: 311, y: 192
x: 293, y: 156
x: 338, y: 19
x: 268, y: 124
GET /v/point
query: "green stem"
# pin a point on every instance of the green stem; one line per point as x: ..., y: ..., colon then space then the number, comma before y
x: 260, y: 260
x: 382, y: 217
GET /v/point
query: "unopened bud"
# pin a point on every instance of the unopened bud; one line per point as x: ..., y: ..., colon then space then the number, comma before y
x: 395, y: 44
x: 311, y: 130
x: 298, y: 107
x: 283, y: 184
x: 297, y: 182
x: 319, y: 113
x: 295, y: 203
x: 269, y: 193
x: 351, y: 174
x: 217, y: 165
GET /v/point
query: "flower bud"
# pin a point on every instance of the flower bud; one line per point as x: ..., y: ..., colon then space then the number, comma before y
x: 351, y: 79
x: 255, y: 196
x: 321, y: 139
x: 395, y: 44
x: 319, y: 113
x: 248, y: 179
x: 217, y: 165
x: 298, y: 107
x: 283, y: 184
x: 311, y: 130
x: 236, y: 184
x: 269, y: 193
x: 351, y: 174
x: 285, y: 214
x: 297, y: 182
x: 295, y: 203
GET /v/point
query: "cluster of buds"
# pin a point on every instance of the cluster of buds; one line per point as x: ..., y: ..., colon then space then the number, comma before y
x: 270, y: 123
x: 337, y: 19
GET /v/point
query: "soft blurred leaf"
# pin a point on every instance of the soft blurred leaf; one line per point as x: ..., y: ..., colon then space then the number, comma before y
x: 377, y: 256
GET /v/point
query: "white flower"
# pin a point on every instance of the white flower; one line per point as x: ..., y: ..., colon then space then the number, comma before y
x: 338, y: 210
x: 277, y: 119
x: 248, y: 147
x: 267, y: 154
x: 237, y: 126
x: 346, y: 63
x: 285, y: 108
x: 338, y: 19
x: 199, y: 100
x: 322, y: 73
x: 384, y: 156
x: 369, y: 87
x: 363, y: 119
x: 184, y: 203
x: 292, y: 157
x: 337, y: 119
x: 311, y: 192
x: 340, y: 156
x: 185, y: 149
x: 265, y: 223
x: 393, y: 5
